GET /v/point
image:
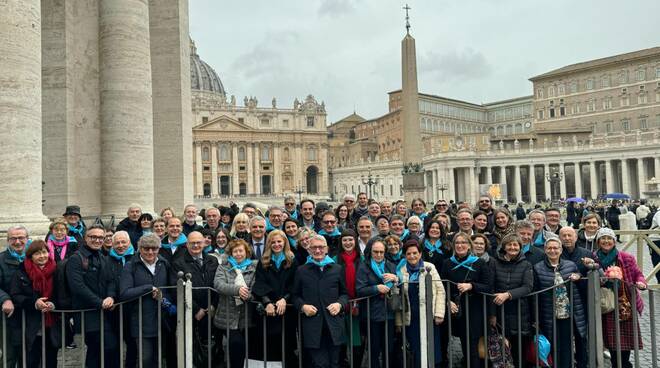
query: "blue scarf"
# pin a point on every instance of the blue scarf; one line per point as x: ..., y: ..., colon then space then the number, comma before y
x: 292, y: 242
x: 433, y: 248
x: 122, y: 257
x: 180, y: 241
x: 421, y: 216
x: 397, y: 256
x: 404, y: 235
x: 19, y: 257
x: 379, y: 270
x: 277, y: 259
x: 78, y: 229
x: 525, y: 248
x: 606, y: 260
x: 208, y: 249
x: 335, y: 232
x: 270, y: 227
x: 146, y: 232
x: 220, y: 250
x: 240, y: 266
x: 326, y: 261
x: 538, y: 240
x: 467, y: 264
x: 294, y: 215
x: 413, y: 271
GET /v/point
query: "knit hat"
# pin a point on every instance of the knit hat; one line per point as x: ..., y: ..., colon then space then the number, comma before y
x: 605, y: 231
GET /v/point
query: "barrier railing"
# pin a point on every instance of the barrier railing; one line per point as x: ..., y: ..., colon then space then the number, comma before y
x: 639, y: 239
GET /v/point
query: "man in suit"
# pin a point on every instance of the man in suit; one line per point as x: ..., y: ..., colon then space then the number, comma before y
x: 319, y: 292
x: 257, y: 236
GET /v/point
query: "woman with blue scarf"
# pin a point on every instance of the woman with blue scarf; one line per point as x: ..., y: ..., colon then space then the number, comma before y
x: 435, y: 245
x: 272, y: 287
x: 376, y: 277
x: 468, y: 278
x: 413, y: 314
x: 234, y: 281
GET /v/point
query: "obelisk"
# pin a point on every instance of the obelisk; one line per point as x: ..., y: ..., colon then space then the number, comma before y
x: 411, y: 157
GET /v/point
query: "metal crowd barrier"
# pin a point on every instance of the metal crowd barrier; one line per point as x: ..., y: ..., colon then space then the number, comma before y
x: 185, y: 332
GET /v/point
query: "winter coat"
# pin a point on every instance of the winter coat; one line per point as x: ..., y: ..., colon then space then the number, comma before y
x: 516, y: 277
x: 136, y: 281
x: 8, y: 266
x: 187, y: 228
x: 320, y: 289
x: 544, y: 277
x: 202, y: 277
x: 272, y: 284
x: 228, y: 314
x: 366, y: 283
x: 133, y: 229
x: 534, y: 255
x: 583, y: 242
x: 631, y: 273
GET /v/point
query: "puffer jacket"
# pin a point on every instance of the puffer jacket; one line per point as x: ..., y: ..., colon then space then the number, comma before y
x: 544, y: 277
x: 228, y: 314
x: 517, y: 278
x: 582, y: 242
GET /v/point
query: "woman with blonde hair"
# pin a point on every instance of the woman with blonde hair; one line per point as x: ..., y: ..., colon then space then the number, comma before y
x: 240, y: 228
x: 273, y: 280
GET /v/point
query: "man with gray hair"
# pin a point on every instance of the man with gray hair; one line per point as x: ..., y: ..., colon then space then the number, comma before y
x: 130, y: 223
x: 525, y: 231
x: 290, y: 207
x: 275, y: 219
x: 10, y: 261
x: 257, y: 236
x: 212, y: 215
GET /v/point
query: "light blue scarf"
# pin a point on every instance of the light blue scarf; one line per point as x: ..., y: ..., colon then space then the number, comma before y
x: 326, y: 261
x: 277, y: 258
x: 239, y: 266
x: 525, y: 248
x: 467, y: 263
x: 538, y: 240
x: 379, y: 270
x: 434, y: 248
x: 292, y: 242
x: 404, y: 235
x: 78, y: 229
x: 335, y: 232
x: 180, y: 241
x: 122, y: 257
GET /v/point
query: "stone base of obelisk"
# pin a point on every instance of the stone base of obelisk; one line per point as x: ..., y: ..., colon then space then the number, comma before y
x: 413, y: 186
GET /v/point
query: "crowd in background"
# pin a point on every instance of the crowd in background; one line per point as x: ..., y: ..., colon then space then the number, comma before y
x: 348, y: 272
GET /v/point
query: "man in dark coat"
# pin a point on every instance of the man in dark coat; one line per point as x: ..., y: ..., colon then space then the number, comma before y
x: 76, y: 227
x: 525, y: 230
x: 10, y: 261
x: 257, y: 240
x: 130, y: 223
x: 90, y: 281
x: 190, y: 219
x: 319, y: 292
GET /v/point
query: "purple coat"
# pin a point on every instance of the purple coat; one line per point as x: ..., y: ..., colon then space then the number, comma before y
x: 631, y: 274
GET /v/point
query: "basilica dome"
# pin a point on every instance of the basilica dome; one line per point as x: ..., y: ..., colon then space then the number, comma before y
x: 202, y: 76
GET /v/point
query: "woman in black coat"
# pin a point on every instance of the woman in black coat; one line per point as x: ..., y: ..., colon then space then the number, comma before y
x: 469, y: 276
x: 33, y: 291
x: 436, y: 248
x: 272, y: 287
x: 375, y: 278
x: 513, y: 280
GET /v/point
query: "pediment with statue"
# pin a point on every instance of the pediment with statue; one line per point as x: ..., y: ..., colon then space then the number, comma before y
x: 223, y: 123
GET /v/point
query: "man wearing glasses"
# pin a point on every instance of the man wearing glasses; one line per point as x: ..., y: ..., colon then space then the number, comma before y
x: 90, y: 280
x: 486, y: 205
x: 10, y: 261
x: 290, y: 207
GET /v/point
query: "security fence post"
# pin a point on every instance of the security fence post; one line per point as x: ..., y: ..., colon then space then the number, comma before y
x: 184, y: 321
x: 595, y: 333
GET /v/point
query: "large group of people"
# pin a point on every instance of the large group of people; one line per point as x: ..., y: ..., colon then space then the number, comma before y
x: 325, y: 286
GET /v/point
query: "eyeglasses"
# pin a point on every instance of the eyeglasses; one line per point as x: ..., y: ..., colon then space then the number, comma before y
x: 316, y: 249
x: 330, y: 222
x: 377, y: 252
x: 484, y: 201
x: 150, y: 249
x: 349, y: 201
x: 442, y: 205
x: 289, y: 204
x: 14, y: 239
x: 96, y: 238
x: 197, y: 243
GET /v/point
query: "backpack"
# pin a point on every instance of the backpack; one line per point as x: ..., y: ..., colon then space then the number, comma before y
x: 64, y: 300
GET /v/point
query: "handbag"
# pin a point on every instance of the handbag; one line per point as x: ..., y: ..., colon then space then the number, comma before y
x: 497, y: 344
x: 606, y: 300
x: 394, y: 299
x: 625, y: 308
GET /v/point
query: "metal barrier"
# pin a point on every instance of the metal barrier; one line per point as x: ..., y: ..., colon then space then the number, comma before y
x: 394, y: 342
x: 642, y: 244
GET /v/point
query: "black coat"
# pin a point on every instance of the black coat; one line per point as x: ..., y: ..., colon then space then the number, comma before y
x: 167, y: 254
x: 544, y: 277
x: 187, y: 228
x: 320, y: 289
x: 8, y: 266
x: 517, y: 278
x: 366, y: 283
x: 534, y: 255
x: 438, y: 259
x: 90, y: 281
x: 582, y: 242
x: 272, y: 284
x: 133, y: 229
x: 202, y: 276
x: 136, y: 281
x: 24, y: 297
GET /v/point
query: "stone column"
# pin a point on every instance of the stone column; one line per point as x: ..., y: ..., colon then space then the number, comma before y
x: 214, y: 169
x: 578, y: 180
x: 625, y: 176
x: 199, y: 171
x: 250, y: 169
x: 276, y: 169
x: 450, y: 184
x: 472, y: 185
x: 257, y: 168
x: 489, y: 175
x: 126, y: 106
x: 547, y: 189
x: 593, y: 179
x: 562, y: 183
x: 503, y: 175
x: 641, y: 176
x: 298, y: 173
x: 656, y: 167
x: 517, y: 188
x: 609, y: 179
x: 20, y: 114
x: 532, y: 184
x: 234, y: 169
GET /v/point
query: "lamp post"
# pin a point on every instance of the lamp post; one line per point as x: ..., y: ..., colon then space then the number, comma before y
x: 299, y: 190
x: 553, y: 178
x: 369, y: 181
x: 442, y: 186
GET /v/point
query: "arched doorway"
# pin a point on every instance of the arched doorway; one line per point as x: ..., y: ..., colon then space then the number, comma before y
x: 312, y: 179
x: 207, y: 190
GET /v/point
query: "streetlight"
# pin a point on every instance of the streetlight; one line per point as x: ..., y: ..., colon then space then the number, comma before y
x: 442, y: 186
x: 555, y: 177
x: 369, y: 181
x: 299, y: 190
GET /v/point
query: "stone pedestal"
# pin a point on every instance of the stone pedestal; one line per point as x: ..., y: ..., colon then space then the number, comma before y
x: 20, y: 114
x: 413, y: 186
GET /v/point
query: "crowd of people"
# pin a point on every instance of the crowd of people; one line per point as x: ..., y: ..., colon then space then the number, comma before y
x: 348, y: 282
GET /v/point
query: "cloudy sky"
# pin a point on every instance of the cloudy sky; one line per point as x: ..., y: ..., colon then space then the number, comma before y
x: 347, y: 52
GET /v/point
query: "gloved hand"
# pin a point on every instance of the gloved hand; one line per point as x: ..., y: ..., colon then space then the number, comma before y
x: 168, y: 307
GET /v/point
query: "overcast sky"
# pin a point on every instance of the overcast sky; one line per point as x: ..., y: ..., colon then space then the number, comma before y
x: 348, y: 52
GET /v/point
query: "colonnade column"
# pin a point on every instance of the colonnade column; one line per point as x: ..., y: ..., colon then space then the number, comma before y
x: 20, y: 114
x: 436, y: 180
x: 126, y: 105
x: 641, y: 175
x: 214, y: 169
x: 199, y: 173
x: 250, y: 169
x: 276, y: 169
x: 609, y: 179
x: 257, y: 168
x: 656, y: 163
x: 593, y: 181
x: 502, y: 175
x: 472, y: 184
x: 547, y: 194
x: 450, y: 184
x: 562, y: 183
x: 517, y: 188
x: 625, y: 176
x: 489, y: 175
x: 578, y: 180
x: 532, y: 184
x: 234, y: 169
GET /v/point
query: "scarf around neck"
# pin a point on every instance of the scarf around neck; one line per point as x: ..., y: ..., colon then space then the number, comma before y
x: 292, y: 242
x: 180, y: 241
x: 538, y: 240
x: 404, y: 235
x: 349, y: 270
x: 379, y: 270
x: 42, y: 282
x: 413, y: 271
x: 239, y: 266
x: 326, y: 261
x: 53, y: 243
x: 467, y: 263
x: 335, y: 232
x: 122, y: 257
x: 433, y: 248
x: 278, y: 258
x: 607, y: 259
x: 78, y: 229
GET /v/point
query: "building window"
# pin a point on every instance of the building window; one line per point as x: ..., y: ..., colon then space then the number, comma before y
x: 310, y: 121
x: 605, y: 82
x: 224, y: 153
x: 562, y: 111
x: 552, y: 112
x: 205, y: 154
x: 265, y: 122
x: 591, y: 105
x: 642, y: 98
x: 540, y: 118
x: 607, y: 103
x: 311, y: 153
x: 608, y: 127
x: 590, y: 84
x: 551, y: 91
x: 643, y: 124
x: 623, y: 77
x: 205, y: 119
x: 285, y: 123
x: 539, y: 93
x: 641, y: 75
x: 625, y: 125
x: 560, y: 90
x: 265, y: 153
x: 625, y: 101
x: 574, y: 87
x: 241, y: 153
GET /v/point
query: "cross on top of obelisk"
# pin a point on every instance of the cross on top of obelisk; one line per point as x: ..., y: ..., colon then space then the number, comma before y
x: 406, y: 8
